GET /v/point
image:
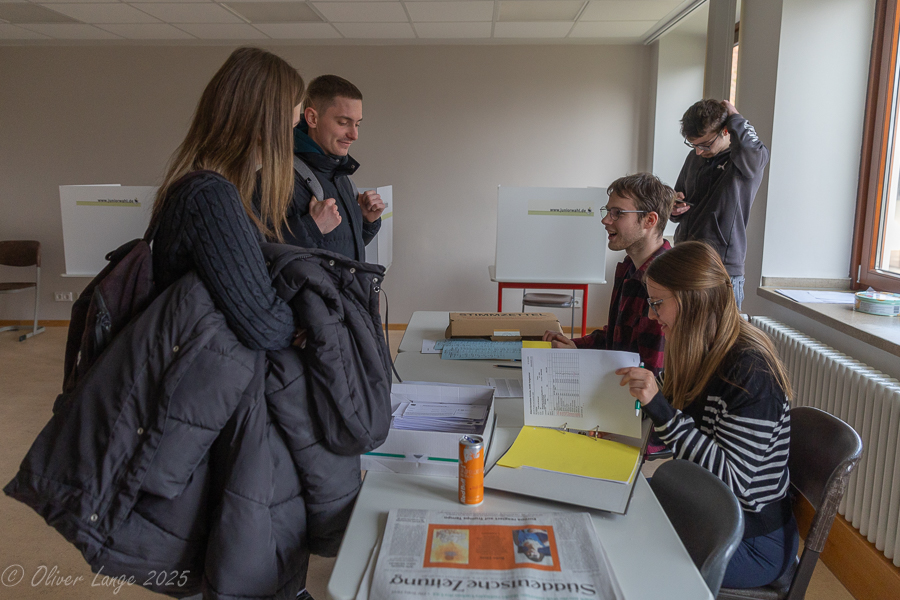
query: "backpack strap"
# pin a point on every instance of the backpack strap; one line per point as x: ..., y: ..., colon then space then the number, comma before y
x: 309, y: 179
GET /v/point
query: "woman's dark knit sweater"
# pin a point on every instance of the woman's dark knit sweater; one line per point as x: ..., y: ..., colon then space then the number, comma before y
x: 203, y: 227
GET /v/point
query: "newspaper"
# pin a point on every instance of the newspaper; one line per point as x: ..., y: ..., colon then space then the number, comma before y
x: 429, y: 554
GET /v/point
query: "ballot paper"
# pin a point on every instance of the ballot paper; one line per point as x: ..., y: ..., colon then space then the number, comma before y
x: 819, y: 296
x: 478, y: 350
x: 579, y: 389
x: 436, y: 416
x: 506, y: 388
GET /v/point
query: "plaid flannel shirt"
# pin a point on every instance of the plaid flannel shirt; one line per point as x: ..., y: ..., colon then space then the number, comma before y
x: 630, y: 328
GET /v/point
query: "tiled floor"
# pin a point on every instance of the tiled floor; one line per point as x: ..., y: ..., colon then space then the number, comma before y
x: 30, y: 379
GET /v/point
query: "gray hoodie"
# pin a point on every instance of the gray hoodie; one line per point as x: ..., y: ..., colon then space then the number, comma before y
x: 721, y: 190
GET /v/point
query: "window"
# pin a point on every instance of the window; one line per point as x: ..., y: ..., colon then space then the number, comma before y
x: 876, y: 246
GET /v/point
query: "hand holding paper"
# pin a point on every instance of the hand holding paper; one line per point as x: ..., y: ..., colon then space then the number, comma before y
x: 641, y: 383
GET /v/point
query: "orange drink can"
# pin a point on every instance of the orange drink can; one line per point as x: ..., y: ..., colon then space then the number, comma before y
x: 471, y: 470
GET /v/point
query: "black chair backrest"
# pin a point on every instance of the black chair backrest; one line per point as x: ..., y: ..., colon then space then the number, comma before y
x: 824, y: 451
x: 705, y: 514
x: 20, y: 253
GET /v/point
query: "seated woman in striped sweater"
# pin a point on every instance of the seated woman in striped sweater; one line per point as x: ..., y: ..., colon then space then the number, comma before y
x: 723, y: 403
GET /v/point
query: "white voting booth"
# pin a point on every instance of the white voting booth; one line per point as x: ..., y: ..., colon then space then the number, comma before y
x: 550, y: 235
x: 381, y: 249
x: 97, y: 219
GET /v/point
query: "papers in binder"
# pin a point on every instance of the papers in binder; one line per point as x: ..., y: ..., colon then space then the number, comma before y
x: 572, y: 454
x: 579, y: 389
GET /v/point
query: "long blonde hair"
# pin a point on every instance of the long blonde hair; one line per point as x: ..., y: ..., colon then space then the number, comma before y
x: 244, y: 119
x: 708, y: 325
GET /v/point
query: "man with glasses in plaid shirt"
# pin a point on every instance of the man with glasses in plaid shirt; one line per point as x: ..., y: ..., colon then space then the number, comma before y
x: 718, y: 183
x: 634, y: 217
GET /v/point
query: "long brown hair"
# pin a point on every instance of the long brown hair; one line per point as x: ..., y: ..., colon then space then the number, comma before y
x: 244, y: 119
x: 708, y: 325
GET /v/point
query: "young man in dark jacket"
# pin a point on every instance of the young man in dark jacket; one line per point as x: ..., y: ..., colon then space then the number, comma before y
x: 718, y: 183
x: 344, y: 221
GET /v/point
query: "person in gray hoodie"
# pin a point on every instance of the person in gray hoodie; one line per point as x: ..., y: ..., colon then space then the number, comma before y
x: 718, y: 182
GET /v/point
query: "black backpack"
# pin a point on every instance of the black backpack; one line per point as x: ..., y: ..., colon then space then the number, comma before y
x: 120, y: 292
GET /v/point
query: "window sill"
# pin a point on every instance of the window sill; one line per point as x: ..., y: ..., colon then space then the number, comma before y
x: 880, y: 332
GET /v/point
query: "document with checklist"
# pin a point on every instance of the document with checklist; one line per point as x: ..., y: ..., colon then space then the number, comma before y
x: 579, y: 390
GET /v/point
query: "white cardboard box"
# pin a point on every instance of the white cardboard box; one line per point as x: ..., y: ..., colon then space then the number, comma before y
x: 429, y: 452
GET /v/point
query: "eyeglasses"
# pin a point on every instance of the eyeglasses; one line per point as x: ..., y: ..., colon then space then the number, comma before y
x: 615, y: 213
x: 707, y: 146
x: 654, y: 303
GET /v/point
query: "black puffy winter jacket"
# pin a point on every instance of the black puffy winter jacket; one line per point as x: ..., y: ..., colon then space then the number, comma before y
x: 185, y: 453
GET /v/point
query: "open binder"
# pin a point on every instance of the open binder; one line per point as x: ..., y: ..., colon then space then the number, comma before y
x: 601, y: 494
x: 567, y: 392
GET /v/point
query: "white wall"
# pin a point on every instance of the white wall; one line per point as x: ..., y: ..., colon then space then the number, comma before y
x: 679, y: 85
x: 443, y: 124
x: 793, y: 216
x: 818, y: 119
x: 678, y: 77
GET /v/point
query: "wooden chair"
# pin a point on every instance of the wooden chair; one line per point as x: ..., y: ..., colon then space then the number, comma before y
x: 704, y: 512
x: 22, y: 253
x: 824, y: 451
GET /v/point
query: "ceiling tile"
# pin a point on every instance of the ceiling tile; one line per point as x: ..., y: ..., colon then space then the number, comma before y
x: 223, y: 31
x: 376, y: 30
x: 299, y: 31
x: 532, y: 30
x: 23, y: 12
x: 453, y: 30
x: 154, y: 1
x: 612, y: 29
x: 77, y: 1
x: 520, y: 11
x: 65, y: 31
x: 11, y: 32
x: 103, y: 13
x: 147, y: 31
x: 275, y: 12
x: 424, y: 12
x: 189, y: 13
x: 605, y: 10
x: 362, y: 12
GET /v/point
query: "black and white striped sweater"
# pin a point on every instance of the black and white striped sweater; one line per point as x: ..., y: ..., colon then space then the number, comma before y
x: 739, y: 429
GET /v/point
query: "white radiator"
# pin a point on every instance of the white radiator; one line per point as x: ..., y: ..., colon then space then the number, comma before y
x: 869, y: 401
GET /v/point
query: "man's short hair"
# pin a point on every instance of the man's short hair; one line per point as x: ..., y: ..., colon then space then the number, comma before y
x: 322, y: 91
x: 648, y: 193
x: 702, y: 118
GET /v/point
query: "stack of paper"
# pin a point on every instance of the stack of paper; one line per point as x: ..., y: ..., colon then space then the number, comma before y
x: 478, y: 350
x: 437, y: 416
x: 572, y: 454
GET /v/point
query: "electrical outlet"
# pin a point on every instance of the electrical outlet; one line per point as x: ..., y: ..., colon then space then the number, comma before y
x: 63, y: 297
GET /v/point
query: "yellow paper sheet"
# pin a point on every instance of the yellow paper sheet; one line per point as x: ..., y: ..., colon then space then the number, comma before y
x: 572, y: 453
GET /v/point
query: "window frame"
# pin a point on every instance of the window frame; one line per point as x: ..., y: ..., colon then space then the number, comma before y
x: 875, y: 151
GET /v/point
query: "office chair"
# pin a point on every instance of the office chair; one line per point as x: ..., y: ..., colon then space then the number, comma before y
x: 22, y: 253
x: 824, y: 451
x: 705, y: 514
x: 546, y: 300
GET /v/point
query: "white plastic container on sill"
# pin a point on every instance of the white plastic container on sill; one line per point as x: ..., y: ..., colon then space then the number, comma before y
x: 878, y: 303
